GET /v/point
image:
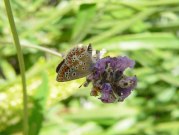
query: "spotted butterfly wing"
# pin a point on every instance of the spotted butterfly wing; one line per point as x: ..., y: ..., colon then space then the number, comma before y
x: 77, y: 64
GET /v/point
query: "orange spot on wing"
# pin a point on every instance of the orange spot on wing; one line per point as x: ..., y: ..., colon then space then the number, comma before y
x: 71, y: 55
x: 69, y: 61
x: 77, y: 53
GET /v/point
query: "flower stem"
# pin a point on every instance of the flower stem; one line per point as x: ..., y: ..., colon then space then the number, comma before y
x: 21, y: 64
x: 41, y: 48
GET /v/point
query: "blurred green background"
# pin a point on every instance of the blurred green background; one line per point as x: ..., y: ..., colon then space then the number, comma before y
x: 147, y: 31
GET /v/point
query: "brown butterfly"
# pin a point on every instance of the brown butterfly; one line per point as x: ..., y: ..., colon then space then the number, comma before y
x: 78, y: 63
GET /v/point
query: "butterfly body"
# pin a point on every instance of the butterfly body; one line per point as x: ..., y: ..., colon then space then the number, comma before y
x: 77, y: 64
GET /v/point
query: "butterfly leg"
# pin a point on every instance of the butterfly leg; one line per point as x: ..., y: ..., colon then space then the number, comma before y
x: 86, y: 83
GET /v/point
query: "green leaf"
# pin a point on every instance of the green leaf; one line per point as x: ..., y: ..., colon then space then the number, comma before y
x: 118, y: 29
x: 173, y: 80
x: 167, y: 94
x: 90, y: 128
x: 7, y: 70
x: 121, y: 126
x: 39, y: 102
x: 104, y: 115
x: 85, y: 18
x: 147, y: 41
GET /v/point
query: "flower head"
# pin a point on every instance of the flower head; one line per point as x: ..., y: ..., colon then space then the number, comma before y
x: 107, y: 95
x: 124, y: 86
x: 109, y: 81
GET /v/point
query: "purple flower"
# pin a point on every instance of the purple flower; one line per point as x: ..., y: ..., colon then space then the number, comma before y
x: 107, y: 95
x: 109, y: 81
x: 125, y: 86
x: 96, y: 73
x: 100, y: 64
x: 123, y: 62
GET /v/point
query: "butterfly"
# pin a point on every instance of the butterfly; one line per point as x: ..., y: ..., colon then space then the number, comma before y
x: 78, y: 63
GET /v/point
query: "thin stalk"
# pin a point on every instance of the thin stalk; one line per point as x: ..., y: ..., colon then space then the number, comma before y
x: 21, y: 64
x: 41, y: 48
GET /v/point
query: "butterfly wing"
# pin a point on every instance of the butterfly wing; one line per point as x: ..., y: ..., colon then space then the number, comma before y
x: 63, y: 71
x: 59, y: 66
x: 77, y: 64
x: 73, y: 54
x: 85, y: 61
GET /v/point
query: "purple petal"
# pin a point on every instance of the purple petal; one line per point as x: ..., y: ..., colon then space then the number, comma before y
x: 123, y: 63
x: 127, y: 82
x: 113, y: 62
x: 106, y: 87
x: 109, y: 99
x: 124, y: 93
x: 96, y: 74
x: 126, y: 85
x: 107, y: 95
x: 101, y: 64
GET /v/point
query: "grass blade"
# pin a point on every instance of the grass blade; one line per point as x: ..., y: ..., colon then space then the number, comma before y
x: 21, y: 63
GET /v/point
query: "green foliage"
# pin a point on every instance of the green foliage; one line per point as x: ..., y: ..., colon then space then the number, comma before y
x: 85, y: 15
x: 38, y: 109
x: 21, y: 63
x: 146, y: 31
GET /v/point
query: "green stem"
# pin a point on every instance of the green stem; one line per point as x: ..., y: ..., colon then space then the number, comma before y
x: 21, y: 63
x: 44, y: 49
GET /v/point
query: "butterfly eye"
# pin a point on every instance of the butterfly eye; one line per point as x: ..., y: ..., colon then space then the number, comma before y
x: 84, y: 63
x: 83, y: 68
x: 76, y: 67
x: 80, y: 56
